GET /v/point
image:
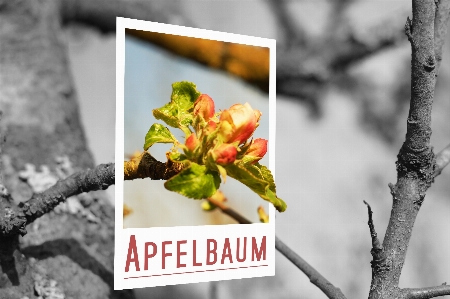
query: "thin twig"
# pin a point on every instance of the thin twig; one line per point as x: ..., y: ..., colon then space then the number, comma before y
x: 442, y: 160
x: 429, y: 292
x: 229, y: 211
x: 315, y: 277
x: 377, y: 249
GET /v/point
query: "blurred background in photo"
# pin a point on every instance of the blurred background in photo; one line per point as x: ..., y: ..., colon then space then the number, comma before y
x: 338, y: 132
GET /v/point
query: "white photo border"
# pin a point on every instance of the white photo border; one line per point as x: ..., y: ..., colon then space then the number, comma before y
x: 178, y: 235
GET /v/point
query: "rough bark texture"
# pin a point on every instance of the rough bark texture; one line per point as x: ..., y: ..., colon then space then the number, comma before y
x: 41, y: 119
x: 416, y: 161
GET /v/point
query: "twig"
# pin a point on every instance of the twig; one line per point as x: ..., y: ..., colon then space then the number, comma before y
x: 442, y: 160
x: 293, y: 34
x: 229, y: 211
x: 315, y: 277
x: 99, y: 178
x: 378, y: 254
x: 13, y: 219
x: 426, y: 293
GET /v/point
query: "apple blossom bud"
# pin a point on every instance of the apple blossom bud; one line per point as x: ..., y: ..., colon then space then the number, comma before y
x: 225, y: 154
x: 191, y: 142
x: 238, y: 123
x: 204, y: 106
x: 258, y: 148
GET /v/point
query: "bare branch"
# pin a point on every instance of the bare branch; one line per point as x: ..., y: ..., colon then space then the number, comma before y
x: 416, y: 160
x: 99, y: 178
x: 426, y: 293
x: 377, y: 251
x: 249, y: 63
x: 229, y: 211
x: 294, y: 35
x: 440, y: 29
x: 16, y: 218
x: 315, y: 277
x: 145, y: 166
x: 442, y: 160
x: 102, y: 14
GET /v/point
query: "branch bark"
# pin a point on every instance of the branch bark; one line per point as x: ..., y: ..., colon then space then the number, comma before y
x: 416, y: 161
x: 41, y: 119
x: 426, y: 293
x: 15, y: 218
x: 145, y: 166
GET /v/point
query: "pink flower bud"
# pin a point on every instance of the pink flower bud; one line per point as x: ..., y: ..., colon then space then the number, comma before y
x: 204, y: 106
x: 258, y: 148
x: 224, y: 154
x: 191, y: 142
x: 238, y: 123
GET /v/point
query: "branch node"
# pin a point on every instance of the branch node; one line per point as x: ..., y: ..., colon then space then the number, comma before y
x: 409, y: 30
x: 430, y: 63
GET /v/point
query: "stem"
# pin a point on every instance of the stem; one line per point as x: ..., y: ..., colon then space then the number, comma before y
x: 314, y: 276
x: 145, y: 166
x: 442, y: 160
x: 416, y: 160
x: 430, y: 292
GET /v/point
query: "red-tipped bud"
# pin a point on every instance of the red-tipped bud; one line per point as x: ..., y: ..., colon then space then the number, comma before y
x: 258, y: 148
x: 204, y: 106
x: 191, y: 142
x: 224, y: 154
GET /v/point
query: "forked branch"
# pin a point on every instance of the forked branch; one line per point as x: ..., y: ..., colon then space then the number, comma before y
x: 417, y: 165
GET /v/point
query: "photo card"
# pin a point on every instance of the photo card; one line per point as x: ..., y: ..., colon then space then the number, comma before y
x: 195, y: 131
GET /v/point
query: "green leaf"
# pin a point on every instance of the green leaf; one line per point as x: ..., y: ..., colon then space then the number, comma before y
x: 195, y: 181
x: 259, y: 179
x: 177, y: 157
x: 178, y: 113
x: 158, y: 134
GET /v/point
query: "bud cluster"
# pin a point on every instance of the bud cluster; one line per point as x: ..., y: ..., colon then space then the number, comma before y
x: 223, y: 138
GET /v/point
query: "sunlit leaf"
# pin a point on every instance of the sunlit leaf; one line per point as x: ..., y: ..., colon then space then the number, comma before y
x: 196, y: 181
x: 158, y: 134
